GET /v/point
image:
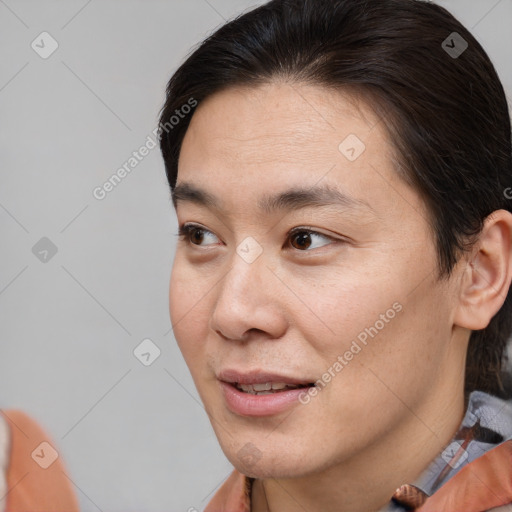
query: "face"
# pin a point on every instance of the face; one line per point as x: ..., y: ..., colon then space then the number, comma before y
x: 276, y: 276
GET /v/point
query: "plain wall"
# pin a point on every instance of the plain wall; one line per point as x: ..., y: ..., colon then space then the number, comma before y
x: 134, y: 437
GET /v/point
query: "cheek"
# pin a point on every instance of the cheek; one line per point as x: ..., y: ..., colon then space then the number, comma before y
x: 383, y: 326
x: 188, y: 310
x: 345, y: 307
x: 390, y: 362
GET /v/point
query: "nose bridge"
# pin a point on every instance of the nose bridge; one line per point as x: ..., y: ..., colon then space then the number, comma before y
x: 245, y: 280
x: 245, y: 300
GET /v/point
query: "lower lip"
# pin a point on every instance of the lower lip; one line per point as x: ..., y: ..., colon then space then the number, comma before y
x: 247, y: 404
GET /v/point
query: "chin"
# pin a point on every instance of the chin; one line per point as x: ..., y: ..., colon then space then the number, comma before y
x: 270, y: 469
x: 261, y: 459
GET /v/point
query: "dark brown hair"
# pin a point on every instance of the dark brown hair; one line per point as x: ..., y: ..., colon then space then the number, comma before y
x: 441, y: 102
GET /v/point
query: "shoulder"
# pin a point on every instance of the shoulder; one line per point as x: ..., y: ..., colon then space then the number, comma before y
x: 484, y: 481
x: 34, y: 473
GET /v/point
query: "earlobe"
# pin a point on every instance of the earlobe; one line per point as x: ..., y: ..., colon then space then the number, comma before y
x: 488, y: 273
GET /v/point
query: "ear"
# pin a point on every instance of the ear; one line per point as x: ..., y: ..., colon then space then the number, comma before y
x: 487, y: 275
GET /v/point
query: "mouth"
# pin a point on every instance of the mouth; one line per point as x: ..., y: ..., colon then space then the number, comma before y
x: 259, y: 381
x: 268, y: 388
x: 260, y: 393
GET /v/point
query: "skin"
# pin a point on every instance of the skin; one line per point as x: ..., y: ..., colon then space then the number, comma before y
x: 296, y: 308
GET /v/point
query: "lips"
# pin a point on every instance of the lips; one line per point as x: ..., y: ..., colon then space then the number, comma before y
x: 261, y: 380
x: 267, y: 388
x: 260, y: 393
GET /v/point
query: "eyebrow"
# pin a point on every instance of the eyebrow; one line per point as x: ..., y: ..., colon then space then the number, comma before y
x: 291, y: 199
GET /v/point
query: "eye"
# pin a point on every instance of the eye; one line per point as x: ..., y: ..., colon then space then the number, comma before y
x: 194, y: 234
x: 304, y: 238
x: 301, y: 238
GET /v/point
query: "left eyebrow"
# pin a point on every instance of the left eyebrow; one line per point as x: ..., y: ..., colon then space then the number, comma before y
x: 291, y: 199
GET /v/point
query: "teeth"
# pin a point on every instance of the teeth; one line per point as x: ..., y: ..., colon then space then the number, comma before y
x: 262, y: 387
x: 281, y: 385
x: 265, y: 389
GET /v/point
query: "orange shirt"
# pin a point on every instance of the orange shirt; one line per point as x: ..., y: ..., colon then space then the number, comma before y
x: 36, y: 479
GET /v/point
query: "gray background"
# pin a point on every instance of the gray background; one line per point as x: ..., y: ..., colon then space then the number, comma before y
x: 134, y: 437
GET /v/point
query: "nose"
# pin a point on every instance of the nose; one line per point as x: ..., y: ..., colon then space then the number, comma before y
x: 250, y: 298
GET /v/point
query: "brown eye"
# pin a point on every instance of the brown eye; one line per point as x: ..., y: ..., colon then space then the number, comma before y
x: 303, y: 239
x: 195, y: 235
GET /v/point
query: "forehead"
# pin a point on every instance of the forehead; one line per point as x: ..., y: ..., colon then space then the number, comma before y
x: 243, y: 143
x: 285, y: 116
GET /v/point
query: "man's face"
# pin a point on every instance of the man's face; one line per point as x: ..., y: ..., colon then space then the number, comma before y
x: 350, y: 300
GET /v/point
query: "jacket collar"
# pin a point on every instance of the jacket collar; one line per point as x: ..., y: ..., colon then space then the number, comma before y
x: 472, y: 474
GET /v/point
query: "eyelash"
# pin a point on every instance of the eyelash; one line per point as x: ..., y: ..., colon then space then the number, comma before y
x: 185, y: 231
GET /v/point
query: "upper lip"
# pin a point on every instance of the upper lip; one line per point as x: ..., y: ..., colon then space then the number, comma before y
x: 258, y: 377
